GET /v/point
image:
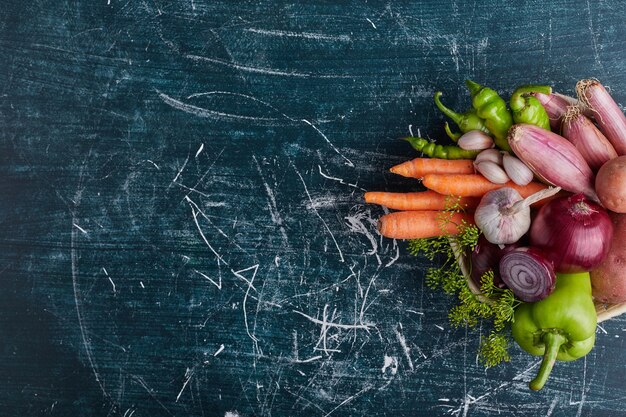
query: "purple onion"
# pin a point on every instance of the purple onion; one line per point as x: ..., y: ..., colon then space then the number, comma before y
x: 528, y: 273
x: 486, y: 257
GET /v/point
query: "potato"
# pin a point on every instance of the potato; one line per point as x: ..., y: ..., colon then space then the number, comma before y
x: 611, y: 184
x: 608, y: 281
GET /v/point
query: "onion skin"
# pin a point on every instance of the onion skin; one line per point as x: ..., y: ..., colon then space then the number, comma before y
x: 556, y: 107
x: 574, y: 233
x: 553, y: 159
x: 528, y: 273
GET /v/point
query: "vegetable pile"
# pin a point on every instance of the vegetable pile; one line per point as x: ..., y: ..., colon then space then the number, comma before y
x: 531, y: 197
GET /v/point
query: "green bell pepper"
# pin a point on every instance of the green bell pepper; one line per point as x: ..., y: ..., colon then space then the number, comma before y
x: 561, y: 327
x: 433, y: 150
x: 527, y: 109
x: 492, y: 109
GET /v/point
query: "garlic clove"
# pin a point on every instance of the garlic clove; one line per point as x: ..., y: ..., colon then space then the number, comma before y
x: 492, y: 155
x: 492, y: 171
x: 475, y: 140
x: 517, y: 171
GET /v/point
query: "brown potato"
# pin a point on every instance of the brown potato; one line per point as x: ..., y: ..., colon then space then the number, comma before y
x: 611, y: 184
x: 608, y: 281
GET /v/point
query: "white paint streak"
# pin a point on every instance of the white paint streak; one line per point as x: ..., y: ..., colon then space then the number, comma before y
x: 339, y: 180
x: 273, y: 207
x: 188, y: 375
x: 371, y: 23
x: 80, y: 228
x: 218, y: 351
x: 199, y: 151
x: 327, y: 323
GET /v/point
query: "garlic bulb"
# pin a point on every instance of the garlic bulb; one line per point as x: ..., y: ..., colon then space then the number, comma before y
x: 492, y: 155
x: 504, y: 217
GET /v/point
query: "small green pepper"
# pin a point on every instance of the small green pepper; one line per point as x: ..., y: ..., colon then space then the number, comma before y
x: 433, y: 150
x: 465, y: 121
x: 561, y: 326
x: 527, y: 109
x: 492, y: 108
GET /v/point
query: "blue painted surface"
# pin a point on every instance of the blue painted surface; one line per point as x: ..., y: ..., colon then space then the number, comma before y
x: 181, y: 226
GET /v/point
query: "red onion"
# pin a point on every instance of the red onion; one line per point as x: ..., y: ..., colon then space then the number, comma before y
x: 486, y: 257
x: 528, y: 273
x: 574, y: 232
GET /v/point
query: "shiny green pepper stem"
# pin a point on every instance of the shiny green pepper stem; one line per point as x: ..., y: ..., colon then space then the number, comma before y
x: 433, y: 150
x: 465, y: 121
x: 492, y: 109
x: 528, y: 109
x: 553, y: 342
x: 452, y: 135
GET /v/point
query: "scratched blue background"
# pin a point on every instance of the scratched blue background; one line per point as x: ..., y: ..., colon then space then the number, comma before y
x: 181, y: 225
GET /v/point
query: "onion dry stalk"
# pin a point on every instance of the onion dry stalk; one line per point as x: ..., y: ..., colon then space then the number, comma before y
x: 608, y: 115
x: 587, y: 138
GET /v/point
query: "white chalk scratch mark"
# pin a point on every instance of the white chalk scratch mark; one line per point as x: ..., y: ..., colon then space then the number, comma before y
x: 220, y: 350
x: 207, y: 113
x: 180, y: 171
x: 199, y: 151
x: 272, y: 205
x: 188, y: 375
x: 110, y: 280
x: 154, y: 164
x: 552, y: 406
x: 396, y: 256
x: 264, y: 71
x: 348, y: 161
x: 195, y: 219
x: 350, y: 398
x: 217, y: 284
x: 312, y: 359
x: 306, y: 190
x: 355, y: 223
x: 405, y: 347
x: 150, y: 391
x: 80, y: 228
x: 583, y: 393
x: 602, y: 329
x: 391, y: 363
x: 339, y: 180
x: 327, y: 323
x: 305, y: 35
x: 250, y: 282
x: 371, y: 23
x: 141, y: 284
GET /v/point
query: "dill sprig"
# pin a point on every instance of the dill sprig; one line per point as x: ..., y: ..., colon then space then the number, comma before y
x: 469, y: 309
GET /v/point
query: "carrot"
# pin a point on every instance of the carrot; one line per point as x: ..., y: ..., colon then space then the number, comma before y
x: 421, y: 224
x: 418, y: 167
x: 473, y: 185
x: 425, y: 200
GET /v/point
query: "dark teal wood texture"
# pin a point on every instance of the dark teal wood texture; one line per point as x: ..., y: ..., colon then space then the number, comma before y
x: 181, y: 223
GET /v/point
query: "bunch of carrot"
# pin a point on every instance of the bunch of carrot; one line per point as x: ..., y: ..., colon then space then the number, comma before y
x: 454, y: 191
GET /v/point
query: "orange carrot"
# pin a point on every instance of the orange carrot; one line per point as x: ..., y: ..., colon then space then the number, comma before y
x: 473, y: 185
x: 418, y: 167
x: 421, y: 224
x: 425, y: 200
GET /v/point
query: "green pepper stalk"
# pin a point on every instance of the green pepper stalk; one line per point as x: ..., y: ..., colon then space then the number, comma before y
x: 528, y: 109
x: 561, y: 327
x: 465, y: 121
x: 433, y: 150
x: 492, y: 109
x: 452, y: 135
